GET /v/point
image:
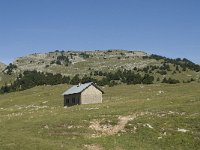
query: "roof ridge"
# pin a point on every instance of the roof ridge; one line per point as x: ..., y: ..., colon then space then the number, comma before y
x: 77, y: 88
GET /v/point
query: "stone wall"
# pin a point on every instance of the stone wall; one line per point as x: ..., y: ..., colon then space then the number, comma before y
x: 91, y: 95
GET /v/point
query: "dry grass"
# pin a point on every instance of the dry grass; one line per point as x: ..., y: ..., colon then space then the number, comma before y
x: 155, y: 116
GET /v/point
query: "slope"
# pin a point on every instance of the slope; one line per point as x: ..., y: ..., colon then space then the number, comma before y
x: 107, y: 66
x: 69, y: 62
x: 2, y: 66
x: 158, y: 116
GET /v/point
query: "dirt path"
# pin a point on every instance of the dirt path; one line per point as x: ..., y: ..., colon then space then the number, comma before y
x: 121, y: 124
x: 109, y: 129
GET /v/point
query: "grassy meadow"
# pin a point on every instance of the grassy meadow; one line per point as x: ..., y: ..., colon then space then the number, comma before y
x: 162, y: 117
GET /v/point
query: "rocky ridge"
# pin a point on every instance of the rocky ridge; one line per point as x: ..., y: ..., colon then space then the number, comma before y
x: 2, y: 66
x: 72, y: 62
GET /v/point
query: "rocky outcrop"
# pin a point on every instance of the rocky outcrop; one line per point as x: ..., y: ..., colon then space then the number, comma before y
x: 47, y: 62
x: 2, y: 66
x: 79, y: 62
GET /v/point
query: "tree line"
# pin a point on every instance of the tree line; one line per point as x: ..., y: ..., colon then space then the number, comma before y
x: 184, y: 63
x: 31, y: 79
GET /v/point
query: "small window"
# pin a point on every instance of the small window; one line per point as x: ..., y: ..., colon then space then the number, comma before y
x: 73, y: 100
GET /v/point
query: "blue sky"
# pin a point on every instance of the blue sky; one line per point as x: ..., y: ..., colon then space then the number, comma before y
x: 170, y: 28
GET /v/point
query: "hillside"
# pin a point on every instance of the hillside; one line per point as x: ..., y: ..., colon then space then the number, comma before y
x: 157, y: 116
x: 69, y: 62
x: 2, y: 66
x: 4, y: 78
x: 105, y: 65
x: 109, y: 67
x: 139, y: 110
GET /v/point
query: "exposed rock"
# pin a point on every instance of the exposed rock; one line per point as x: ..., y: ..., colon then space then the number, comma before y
x: 109, y: 129
x: 48, y: 62
x: 2, y: 66
x: 148, y: 125
x: 182, y: 130
x: 93, y: 147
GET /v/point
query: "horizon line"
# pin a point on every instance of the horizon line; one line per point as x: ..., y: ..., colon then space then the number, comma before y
x: 7, y: 61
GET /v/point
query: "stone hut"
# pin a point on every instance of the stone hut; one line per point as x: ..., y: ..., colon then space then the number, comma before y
x: 87, y: 93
